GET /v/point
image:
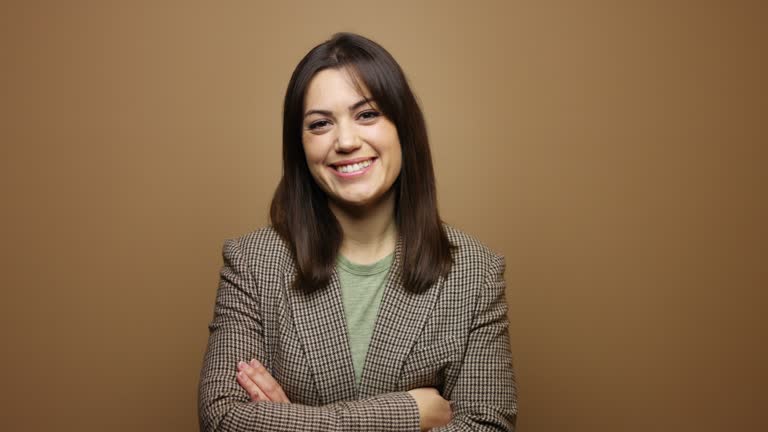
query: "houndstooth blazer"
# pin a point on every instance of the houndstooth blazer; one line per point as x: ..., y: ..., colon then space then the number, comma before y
x: 453, y: 337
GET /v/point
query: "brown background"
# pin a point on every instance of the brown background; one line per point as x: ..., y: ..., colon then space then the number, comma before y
x: 614, y: 152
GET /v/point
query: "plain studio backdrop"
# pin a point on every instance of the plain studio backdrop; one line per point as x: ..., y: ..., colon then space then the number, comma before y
x: 613, y: 151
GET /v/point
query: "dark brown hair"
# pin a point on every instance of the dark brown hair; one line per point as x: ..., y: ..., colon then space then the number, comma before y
x: 300, y: 212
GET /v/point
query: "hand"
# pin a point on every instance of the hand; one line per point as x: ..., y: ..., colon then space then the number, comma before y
x: 434, y: 411
x: 259, y: 384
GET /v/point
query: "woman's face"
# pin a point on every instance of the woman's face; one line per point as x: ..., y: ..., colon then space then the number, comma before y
x: 352, y: 149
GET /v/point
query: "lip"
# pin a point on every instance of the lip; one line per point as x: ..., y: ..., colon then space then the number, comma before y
x: 351, y: 161
x: 354, y: 174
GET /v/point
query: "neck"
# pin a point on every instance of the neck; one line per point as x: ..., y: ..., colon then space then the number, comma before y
x: 370, y: 233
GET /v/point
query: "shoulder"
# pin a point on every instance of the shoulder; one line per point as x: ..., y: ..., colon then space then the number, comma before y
x: 474, y: 263
x: 263, y: 248
x: 468, y: 250
x: 477, y: 272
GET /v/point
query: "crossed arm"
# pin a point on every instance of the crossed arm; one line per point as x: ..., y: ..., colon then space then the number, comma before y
x: 263, y: 406
x: 253, y: 377
x: 236, y: 334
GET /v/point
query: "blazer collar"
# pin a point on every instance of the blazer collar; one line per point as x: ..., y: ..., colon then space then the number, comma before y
x: 399, y: 322
x: 321, y: 326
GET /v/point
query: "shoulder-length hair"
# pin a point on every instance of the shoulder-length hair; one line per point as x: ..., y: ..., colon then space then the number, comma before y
x: 300, y: 213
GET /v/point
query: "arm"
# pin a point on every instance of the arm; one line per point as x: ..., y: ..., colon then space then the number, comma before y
x: 484, y: 395
x: 236, y: 333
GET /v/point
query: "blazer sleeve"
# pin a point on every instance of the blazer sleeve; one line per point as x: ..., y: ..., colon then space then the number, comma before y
x: 485, y: 395
x: 236, y: 333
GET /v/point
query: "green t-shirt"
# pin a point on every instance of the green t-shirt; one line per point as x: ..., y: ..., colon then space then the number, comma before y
x: 362, y: 287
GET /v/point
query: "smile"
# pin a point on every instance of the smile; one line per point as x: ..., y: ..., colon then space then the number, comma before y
x: 353, y: 169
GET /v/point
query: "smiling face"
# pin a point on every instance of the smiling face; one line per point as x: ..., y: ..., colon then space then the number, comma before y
x: 352, y: 149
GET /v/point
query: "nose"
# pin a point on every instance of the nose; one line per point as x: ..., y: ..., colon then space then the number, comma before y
x: 347, y: 139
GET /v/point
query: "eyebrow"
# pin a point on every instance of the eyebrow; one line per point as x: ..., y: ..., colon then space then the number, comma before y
x: 352, y: 107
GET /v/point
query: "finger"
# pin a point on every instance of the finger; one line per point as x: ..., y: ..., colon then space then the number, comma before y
x: 267, y: 384
x: 248, y: 385
x: 268, y: 387
x: 254, y: 393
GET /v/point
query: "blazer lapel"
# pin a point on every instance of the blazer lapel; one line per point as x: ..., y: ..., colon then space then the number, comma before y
x: 320, y: 324
x: 401, y: 318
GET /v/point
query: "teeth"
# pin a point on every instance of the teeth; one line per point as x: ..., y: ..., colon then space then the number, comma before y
x: 354, y: 167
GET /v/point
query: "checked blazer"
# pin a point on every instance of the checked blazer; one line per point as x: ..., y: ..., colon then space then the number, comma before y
x: 453, y: 336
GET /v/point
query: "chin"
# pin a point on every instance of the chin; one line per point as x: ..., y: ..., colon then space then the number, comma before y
x: 360, y: 201
x: 356, y: 202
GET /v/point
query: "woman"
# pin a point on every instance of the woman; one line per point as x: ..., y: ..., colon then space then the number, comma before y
x: 357, y: 309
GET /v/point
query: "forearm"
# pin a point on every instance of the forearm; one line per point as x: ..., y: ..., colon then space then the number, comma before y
x: 480, y: 418
x: 224, y: 405
x: 396, y: 412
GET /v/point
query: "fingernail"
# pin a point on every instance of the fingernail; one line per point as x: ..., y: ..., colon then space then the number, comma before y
x: 255, y: 363
x: 242, y: 365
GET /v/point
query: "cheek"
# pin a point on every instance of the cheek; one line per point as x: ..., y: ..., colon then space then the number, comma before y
x: 386, y: 140
x: 315, y: 170
x: 313, y: 150
x: 395, y: 153
x: 397, y: 164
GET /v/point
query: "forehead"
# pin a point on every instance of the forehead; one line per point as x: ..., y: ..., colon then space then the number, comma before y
x: 333, y: 89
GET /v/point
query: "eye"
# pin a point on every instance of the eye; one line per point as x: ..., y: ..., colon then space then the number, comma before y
x: 368, y: 115
x: 318, y: 124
